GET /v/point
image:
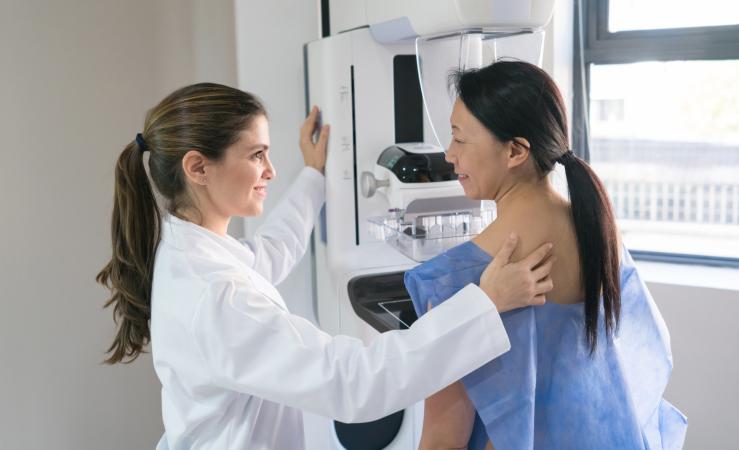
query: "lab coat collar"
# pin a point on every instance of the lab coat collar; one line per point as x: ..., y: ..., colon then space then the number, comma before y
x: 183, y: 235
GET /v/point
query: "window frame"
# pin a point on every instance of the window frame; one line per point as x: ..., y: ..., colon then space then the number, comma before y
x: 594, y: 43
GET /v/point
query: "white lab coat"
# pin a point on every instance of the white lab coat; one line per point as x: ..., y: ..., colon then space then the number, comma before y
x: 237, y: 368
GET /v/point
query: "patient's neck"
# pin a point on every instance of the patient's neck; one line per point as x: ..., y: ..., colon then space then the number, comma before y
x: 525, y: 195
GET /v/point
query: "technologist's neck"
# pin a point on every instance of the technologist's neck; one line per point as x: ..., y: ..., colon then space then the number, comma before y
x: 208, y: 220
x: 218, y: 226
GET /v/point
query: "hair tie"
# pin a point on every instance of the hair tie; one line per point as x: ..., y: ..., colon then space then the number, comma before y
x: 141, y: 143
x: 565, y: 157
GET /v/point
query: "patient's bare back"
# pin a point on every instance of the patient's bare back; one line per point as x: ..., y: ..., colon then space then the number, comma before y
x: 537, y: 222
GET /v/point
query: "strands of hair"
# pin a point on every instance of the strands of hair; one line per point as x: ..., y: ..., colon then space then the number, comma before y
x: 206, y: 117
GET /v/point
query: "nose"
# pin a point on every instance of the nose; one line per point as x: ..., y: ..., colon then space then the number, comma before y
x: 269, y: 170
x: 450, y: 155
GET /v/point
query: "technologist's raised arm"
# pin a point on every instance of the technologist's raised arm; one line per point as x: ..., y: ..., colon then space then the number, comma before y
x: 282, y: 239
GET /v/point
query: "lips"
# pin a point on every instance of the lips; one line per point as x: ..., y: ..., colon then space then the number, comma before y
x: 462, y: 176
x: 261, y: 190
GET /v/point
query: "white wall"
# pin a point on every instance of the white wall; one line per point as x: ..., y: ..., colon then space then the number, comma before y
x: 704, y: 333
x: 76, y: 78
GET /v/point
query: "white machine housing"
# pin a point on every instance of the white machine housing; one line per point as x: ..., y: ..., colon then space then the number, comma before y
x: 348, y: 78
x: 393, y: 20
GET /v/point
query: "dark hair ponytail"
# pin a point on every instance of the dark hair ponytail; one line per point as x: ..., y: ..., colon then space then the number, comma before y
x: 595, y: 228
x: 517, y: 99
x: 135, y: 234
x: 206, y: 117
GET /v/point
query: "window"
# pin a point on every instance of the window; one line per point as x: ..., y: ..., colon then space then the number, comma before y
x: 656, y: 113
x: 626, y: 15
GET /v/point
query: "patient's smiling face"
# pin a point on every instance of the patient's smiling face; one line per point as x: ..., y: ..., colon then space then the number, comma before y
x: 479, y: 158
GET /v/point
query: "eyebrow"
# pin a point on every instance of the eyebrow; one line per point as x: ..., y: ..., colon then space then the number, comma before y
x: 454, y: 127
x: 258, y: 147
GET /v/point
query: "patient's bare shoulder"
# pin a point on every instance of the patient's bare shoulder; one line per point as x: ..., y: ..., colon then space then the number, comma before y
x: 492, y: 238
x: 530, y: 230
x: 551, y: 223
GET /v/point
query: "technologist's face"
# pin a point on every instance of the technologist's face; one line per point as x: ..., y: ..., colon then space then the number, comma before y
x: 239, y: 182
x: 479, y: 158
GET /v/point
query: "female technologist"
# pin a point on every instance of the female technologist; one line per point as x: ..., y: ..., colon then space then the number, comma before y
x: 236, y: 367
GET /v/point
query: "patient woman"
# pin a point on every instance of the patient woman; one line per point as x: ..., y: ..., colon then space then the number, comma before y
x: 588, y: 369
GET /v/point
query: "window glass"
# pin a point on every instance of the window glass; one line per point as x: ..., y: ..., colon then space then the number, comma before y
x: 626, y: 15
x: 665, y: 141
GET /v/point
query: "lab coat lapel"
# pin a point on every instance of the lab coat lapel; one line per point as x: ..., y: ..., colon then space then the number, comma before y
x: 225, y: 247
x: 243, y: 256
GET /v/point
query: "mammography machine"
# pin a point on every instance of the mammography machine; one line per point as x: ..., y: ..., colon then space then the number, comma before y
x: 392, y: 201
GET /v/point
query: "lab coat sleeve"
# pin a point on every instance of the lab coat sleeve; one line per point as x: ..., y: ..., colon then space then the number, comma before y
x: 251, y: 345
x: 281, y: 241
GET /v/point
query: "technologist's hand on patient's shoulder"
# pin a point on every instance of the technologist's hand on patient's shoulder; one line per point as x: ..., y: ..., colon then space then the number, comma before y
x: 314, y: 150
x: 523, y: 283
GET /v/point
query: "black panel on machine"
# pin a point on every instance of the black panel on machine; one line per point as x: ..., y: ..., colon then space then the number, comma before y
x: 416, y: 167
x: 374, y: 435
x: 382, y: 301
x: 408, y: 99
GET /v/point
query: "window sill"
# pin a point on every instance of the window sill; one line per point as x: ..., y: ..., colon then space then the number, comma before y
x: 723, y: 278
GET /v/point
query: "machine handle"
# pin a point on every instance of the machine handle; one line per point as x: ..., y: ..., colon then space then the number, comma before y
x: 370, y: 184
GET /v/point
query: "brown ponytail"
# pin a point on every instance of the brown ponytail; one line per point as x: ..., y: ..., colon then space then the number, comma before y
x: 135, y: 234
x: 205, y: 117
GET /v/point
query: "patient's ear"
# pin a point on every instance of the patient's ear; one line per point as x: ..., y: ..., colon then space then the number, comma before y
x: 518, y: 151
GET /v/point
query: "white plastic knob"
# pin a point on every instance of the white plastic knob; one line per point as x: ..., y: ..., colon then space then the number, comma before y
x: 370, y: 184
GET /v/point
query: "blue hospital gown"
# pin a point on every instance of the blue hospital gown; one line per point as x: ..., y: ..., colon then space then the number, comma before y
x: 548, y: 392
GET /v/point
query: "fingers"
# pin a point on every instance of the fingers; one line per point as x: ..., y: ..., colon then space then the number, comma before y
x: 306, y: 131
x: 544, y: 286
x: 537, y: 256
x: 323, y: 138
x: 311, y: 119
x: 544, y: 269
x: 504, y: 254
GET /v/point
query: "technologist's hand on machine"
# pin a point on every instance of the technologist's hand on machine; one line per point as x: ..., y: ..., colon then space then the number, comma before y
x: 314, y: 149
x: 523, y: 283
